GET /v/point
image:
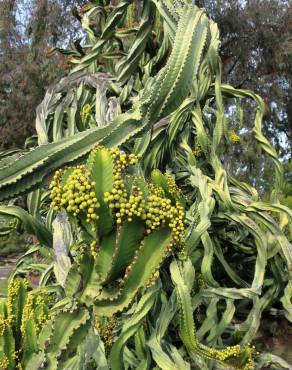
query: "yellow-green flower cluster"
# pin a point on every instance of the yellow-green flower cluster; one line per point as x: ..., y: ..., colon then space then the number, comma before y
x: 94, y: 249
x: 3, y: 324
x: 174, y: 190
x: 160, y: 211
x: 250, y: 352
x: 152, y: 279
x: 16, y: 289
x: 125, y: 207
x: 130, y: 196
x: 233, y: 137
x: 77, y: 195
x: 118, y: 198
x: 34, y: 301
x: 123, y: 160
x: 155, y: 209
x: 243, y: 353
x: 226, y: 353
x: 56, y: 191
x: 157, y: 190
x: 13, y: 291
x: 27, y: 312
x: 249, y: 365
x: 105, y: 330
x: 17, y: 357
x: 4, y: 363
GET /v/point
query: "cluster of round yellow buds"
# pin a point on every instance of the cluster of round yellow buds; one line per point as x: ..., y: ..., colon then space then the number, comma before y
x: 177, y: 222
x: 135, y: 205
x: 159, y: 210
x: 41, y: 321
x: 118, y: 197
x: 77, y: 195
x: 226, y: 353
x: 105, y: 331
x: 4, y: 323
x: 33, y: 301
x: 123, y: 160
x: 157, y: 190
x: 125, y: 207
x: 94, y: 249
x: 25, y: 283
x: 27, y: 312
x: 16, y: 356
x: 13, y: 291
x: 126, y: 199
x: 56, y: 191
x: 250, y: 352
x: 4, y: 363
x: 174, y: 190
x: 152, y: 279
x: 249, y: 365
x: 235, y: 351
x: 233, y: 137
x: 155, y: 209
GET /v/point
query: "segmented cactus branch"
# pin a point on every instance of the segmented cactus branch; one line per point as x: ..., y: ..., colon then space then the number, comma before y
x: 238, y: 357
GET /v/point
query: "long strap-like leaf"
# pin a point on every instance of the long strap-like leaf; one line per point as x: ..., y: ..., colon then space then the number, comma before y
x: 31, y: 224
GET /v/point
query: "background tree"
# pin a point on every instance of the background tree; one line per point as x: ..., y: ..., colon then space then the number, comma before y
x: 28, y: 29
